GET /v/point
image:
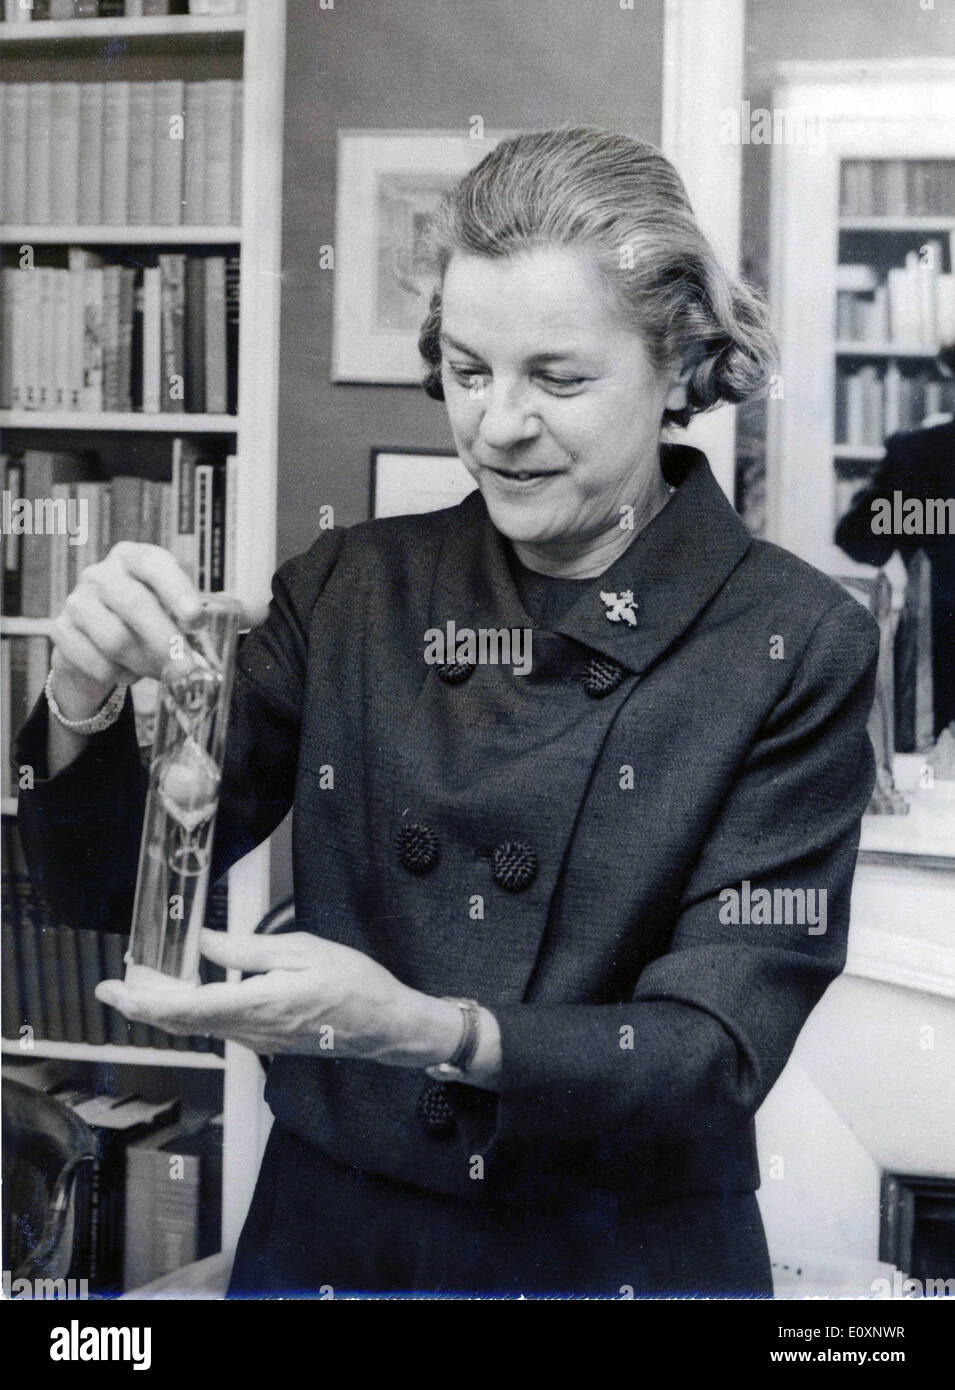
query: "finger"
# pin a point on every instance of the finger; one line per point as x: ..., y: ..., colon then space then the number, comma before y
x: 107, y: 631
x: 78, y: 651
x: 285, y: 951
x: 202, y: 1009
x: 165, y: 577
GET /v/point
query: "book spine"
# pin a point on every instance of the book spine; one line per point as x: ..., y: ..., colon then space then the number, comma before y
x: 217, y: 530
x: 90, y: 195
x: 218, y: 199
x: 237, y: 133
x: 195, y: 334
x: 169, y: 132
x: 172, y: 274
x: 142, y: 152
x: 94, y: 1013
x: 92, y: 395
x: 48, y: 942
x: 61, y: 340
x: 116, y: 153
x: 7, y: 290
x: 44, y: 332
x: 77, y: 332
x: 13, y: 547
x: 203, y: 525
x: 33, y: 1003
x: 65, y: 153
x: 232, y: 276
x: 15, y: 153
x: 59, y: 552
x: 215, y: 369
x: 111, y: 290
x: 39, y: 140
x: 73, y: 1023
x: 230, y: 577
x: 30, y: 328
x: 194, y: 176
x: 127, y: 291
x: 152, y: 335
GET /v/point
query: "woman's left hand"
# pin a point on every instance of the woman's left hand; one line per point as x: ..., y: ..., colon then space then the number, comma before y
x: 307, y: 995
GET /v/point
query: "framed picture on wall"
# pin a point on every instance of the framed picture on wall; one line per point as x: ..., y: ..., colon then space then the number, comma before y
x: 388, y: 183
x: 415, y: 480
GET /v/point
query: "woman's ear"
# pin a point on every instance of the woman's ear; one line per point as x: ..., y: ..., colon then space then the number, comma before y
x: 679, y: 383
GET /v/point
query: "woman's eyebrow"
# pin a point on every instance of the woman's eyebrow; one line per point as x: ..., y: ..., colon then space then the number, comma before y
x: 535, y: 359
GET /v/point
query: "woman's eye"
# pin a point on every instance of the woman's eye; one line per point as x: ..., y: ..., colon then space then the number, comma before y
x: 467, y: 376
x: 561, y: 384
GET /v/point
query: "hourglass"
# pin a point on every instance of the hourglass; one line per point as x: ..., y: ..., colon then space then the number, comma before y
x: 176, y: 847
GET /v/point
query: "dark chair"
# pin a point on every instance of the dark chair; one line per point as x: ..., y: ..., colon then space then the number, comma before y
x: 48, y: 1157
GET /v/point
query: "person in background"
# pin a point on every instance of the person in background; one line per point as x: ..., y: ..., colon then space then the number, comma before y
x: 918, y: 464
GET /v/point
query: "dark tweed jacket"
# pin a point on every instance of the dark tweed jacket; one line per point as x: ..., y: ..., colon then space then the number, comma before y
x: 744, y: 767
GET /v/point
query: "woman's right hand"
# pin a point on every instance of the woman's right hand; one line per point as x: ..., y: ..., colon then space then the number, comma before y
x: 120, y: 623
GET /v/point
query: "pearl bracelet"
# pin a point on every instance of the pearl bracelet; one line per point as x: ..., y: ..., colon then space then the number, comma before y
x: 104, y: 717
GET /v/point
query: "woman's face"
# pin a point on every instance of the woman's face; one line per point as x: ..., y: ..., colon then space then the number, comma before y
x: 554, y: 404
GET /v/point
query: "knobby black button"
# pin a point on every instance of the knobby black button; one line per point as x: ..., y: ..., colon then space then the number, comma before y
x: 434, y: 1111
x: 455, y: 672
x: 601, y: 676
x: 514, y: 865
x: 417, y: 847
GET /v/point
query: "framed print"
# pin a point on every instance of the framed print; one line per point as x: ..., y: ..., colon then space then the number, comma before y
x: 404, y: 481
x: 388, y: 184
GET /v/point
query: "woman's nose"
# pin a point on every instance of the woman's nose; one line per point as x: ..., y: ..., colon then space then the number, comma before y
x: 506, y: 418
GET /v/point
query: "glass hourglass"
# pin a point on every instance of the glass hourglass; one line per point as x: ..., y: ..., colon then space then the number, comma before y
x: 176, y: 847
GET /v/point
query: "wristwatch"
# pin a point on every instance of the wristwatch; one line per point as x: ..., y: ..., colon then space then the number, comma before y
x: 458, y: 1064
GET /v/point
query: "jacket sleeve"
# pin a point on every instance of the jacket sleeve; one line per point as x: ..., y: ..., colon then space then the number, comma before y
x: 854, y: 533
x: 713, y: 1020
x: 81, y: 828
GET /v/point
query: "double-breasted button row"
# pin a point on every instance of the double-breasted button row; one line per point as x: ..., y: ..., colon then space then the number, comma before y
x: 599, y: 677
x: 513, y: 862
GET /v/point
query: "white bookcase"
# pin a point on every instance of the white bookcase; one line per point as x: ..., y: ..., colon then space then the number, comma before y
x: 253, y: 48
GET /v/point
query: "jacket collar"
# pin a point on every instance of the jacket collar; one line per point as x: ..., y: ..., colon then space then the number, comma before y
x: 673, y: 568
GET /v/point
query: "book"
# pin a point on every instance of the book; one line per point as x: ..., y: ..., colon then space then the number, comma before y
x: 194, y: 172
x: 127, y: 295
x: 116, y: 153
x: 13, y: 543
x: 220, y: 96
x: 90, y: 175
x: 39, y: 133
x: 172, y: 270
x: 215, y: 333
x: 142, y: 151
x: 173, y: 1200
x: 65, y: 153
x: 168, y: 142
x: 14, y: 206
x: 48, y: 949
x: 232, y: 279
x: 195, y: 329
x: 95, y: 1029
x: 112, y: 393
x: 151, y: 339
x: 184, y: 541
x: 43, y: 471
x: 91, y: 393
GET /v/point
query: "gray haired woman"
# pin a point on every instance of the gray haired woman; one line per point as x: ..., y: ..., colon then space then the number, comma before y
x: 563, y: 923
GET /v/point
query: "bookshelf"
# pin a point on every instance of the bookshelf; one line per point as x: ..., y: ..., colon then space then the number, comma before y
x: 850, y: 216
x: 249, y: 49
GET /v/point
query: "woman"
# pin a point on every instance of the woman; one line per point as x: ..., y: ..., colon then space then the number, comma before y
x: 525, y: 907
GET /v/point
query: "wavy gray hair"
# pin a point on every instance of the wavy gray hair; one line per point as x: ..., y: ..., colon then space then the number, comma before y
x: 621, y: 200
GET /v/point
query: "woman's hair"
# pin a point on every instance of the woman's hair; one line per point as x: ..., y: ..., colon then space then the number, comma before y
x: 623, y: 202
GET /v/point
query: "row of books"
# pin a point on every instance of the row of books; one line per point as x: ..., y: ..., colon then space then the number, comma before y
x: 911, y: 305
x: 153, y: 1202
x: 97, y: 337
x: 50, y: 971
x: 872, y: 404
x: 121, y: 153
x: 23, y: 11
x: 60, y: 514
x: 897, y: 187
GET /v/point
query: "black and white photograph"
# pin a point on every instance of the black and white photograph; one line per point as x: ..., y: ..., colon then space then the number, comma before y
x: 477, y: 662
